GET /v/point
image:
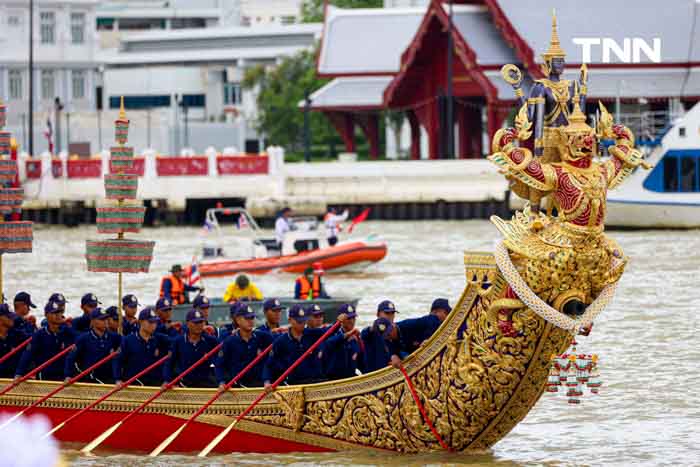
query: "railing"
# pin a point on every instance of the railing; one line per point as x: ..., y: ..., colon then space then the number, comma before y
x: 649, y: 126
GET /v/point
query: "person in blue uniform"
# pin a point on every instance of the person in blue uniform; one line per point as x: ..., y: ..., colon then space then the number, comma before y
x: 47, y: 342
x: 60, y: 300
x: 91, y: 347
x: 10, y: 338
x: 387, y: 310
x: 228, y: 328
x: 272, y: 308
x: 112, y: 319
x: 88, y: 303
x: 164, y: 310
x: 202, y: 304
x: 414, y: 331
x: 315, y: 314
x: 22, y: 305
x: 343, y: 352
x: 130, y: 322
x: 242, y: 347
x: 381, y: 345
x: 186, y: 349
x: 141, y: 349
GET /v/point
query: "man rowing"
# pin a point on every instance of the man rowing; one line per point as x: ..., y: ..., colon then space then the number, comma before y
x: 343, y: 355
x: 10, y: 338
x: 187, y: 349
x: 91, y: 347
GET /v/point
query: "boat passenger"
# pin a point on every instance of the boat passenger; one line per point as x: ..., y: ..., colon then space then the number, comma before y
x: 112, y: 319
x: 140, y: 350
x: 387, y: 309
x: 164, y: 310
x: 343, y: 354
x: 242, y: 289
x: 88, y: 303
x: 416, y: 330
x: 189, y: 348
x: 130, y: 323
x: 332, y: 220
x: 174, y: 288
x: 381, y: 344
x: 283, y: 225
x: 91, y: 347
x: 60, y: 300
x: 22, y: 305
x: 309, y: 285
x: 272, y: 308
x: 46, y: 343
x: 242, y: 347
x: 315, y: 314
x: 227, y: 329
x: 10, y: 338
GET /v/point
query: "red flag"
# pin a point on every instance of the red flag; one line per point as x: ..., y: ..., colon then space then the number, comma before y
x: 361, y: 218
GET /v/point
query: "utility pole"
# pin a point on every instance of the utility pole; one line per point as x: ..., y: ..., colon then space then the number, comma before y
x: 187, y: 127
x: 68, y: 132
x: 307, y: 127
x: 450, y: 105
x: 57, y: 106
x: 31, y: 78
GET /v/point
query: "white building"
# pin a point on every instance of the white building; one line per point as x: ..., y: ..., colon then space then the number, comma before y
x: 257, y: 12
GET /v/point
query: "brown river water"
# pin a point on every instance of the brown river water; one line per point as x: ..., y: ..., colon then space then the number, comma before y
x: 648, y: 410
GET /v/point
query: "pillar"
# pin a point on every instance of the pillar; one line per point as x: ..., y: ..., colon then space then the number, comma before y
x: 415, y: 134
x: 370, y: 126
x: 344, y: 123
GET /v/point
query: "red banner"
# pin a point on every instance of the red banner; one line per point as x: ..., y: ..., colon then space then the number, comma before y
x: 33, y: 168
x: 176, y: 166
x: 242, y: 165
x: 84, y: 168
x: 56, y: 168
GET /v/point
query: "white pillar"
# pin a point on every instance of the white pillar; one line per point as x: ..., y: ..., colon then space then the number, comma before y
x: 211, y: 154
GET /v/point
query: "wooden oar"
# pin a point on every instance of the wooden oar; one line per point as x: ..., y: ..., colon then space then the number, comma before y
x: 109, y: 393
x: 15, y: 350
x: 262, y: 395
x: 201, y: 410
x: 37, y: 369
x: 107, y: 358
x: 107, y: 433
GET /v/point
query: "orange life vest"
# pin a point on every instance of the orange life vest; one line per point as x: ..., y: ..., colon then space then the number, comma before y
x: 177, y: 289
x: 315, y: 287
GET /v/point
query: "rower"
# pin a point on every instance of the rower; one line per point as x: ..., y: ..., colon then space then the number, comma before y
x: 343, y: 355
x: 202, y: 304
x: 9, y: 339
x: 309, y: 286
x: 46, y: 343
x: 187, y: 349
x: 130, y: 324
x: 112, y: 319
x: 283, y: 224
x: 22, y: 305
x: 315, y: 314
x: 164, y: 310
x: 272, y: 308
x: 415, y: 331
x: 91, y: 347
x: 174, y: 288
x: 386, y: 309
x: 240, y: 348
x: 242, y: 289
x: 140, y: 350
x: 381, y: 344
x: 332, y: 220
x: 88, y: 303
x: 227, y: 329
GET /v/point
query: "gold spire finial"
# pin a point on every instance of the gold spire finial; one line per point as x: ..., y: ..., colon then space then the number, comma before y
x: 554, y: 49
x: 577, y: 119
x: 122, y: 113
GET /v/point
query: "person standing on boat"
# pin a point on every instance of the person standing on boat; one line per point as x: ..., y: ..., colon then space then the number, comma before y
x: 88, y: 303
x: 10, y: 338
x: 343, y: 354
x: 46, y: 343
x: 189, y: 348
x: 173, y: 286
x: 332, y: 221
x: 91, y: 347
x: 416, y: 330
x: 309, y: 286
x: 242, y: 289
x: 283, y: 224
x: 166, y: 326
x: 240, y: 348
x: 22, y: 305
x: 141, y: 349
x: 272, y: 308
x: 113, y: 319
x: 381, y: 344
x: 130, y: 323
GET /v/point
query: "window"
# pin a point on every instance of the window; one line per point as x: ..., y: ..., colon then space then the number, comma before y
x: 681, y: 132
x: 187, y: 23
x: 105, y: 24
x: 77, y: 28
x: 15, y: 79
x: 141, y: 24
x: 48, y: 27
x: 48, y: 84
x: 688, y: 174
x: 14, y: 21
x: 289, y: 19
x: 232, y: 94
x: 670, y: 173
x: 78, y: 81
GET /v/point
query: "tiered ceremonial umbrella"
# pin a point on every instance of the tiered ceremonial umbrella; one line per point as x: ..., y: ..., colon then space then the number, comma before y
x: 16, y: 236
x: 121, y: 213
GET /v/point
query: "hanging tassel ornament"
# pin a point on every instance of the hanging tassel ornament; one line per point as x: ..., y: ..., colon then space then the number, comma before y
x: 575, y: 371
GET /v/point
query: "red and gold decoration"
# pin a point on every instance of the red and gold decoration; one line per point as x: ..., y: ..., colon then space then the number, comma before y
x: 575, y: 371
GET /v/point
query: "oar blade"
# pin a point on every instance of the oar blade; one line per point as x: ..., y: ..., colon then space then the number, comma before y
x: 97, y: 441
x: 54, y: 430
x: 12, y: 419
x: 161, y: 447
x: 215, y: 442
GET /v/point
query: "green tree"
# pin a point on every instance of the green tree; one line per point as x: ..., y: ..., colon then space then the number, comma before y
x: 312, y: 10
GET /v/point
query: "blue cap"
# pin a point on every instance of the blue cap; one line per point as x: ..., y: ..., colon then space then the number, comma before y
x: 130, y: 300
x: 234, y: 307
x: 441, y: 304
x: 113, y: 312
x: 5, y: 311
x: 200, y: 301
x: 164, y: 304
x: 58, y: 298
x: 272, y: 304
x: 348, y: 310
x: 298, y: 313
x: 245, y: 311
x: 24, y: 297
x: 89, y: 299
x: 384, y: 326
x: 387, y: 306
x: 195, y: 316
x: 99, y: 313
x: 313, y: 309
x: 52, y: 307
x: 149, y: 314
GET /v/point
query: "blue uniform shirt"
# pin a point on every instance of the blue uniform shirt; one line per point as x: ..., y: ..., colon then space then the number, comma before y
x: 378, y: 350
x: 225, y: 331
x: 14, y: 338
x: 184, y: 355
x: 341, y: 356
x: 171, y: 332
x: 286, y: 350
x: 24, y: 326
x: 81, y: 323
x: 267, y: 329
x: 415, y: 330
x: 136, y: 354
x: 89, y: 349
x: 43, y: 346
x: 236, y: 354
x: 129, y: 328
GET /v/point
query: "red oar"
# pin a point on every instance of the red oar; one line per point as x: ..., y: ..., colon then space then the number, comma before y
x: 15, y: 350
x: 106, y: 434
x: 37, y: 369
x: 109, y: 393
x: 201, y: 410
x: 61, y: 387
x: 262, y: 395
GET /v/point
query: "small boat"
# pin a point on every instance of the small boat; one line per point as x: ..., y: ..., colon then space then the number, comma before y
x: 301, y: 248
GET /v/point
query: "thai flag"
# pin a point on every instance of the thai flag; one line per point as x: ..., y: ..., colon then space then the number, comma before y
x: 193, y: 273
x: 48, y: 134
x: 242, y: 222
